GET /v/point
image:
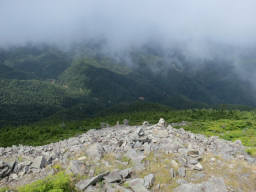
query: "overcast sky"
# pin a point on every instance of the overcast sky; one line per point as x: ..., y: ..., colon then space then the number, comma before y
x: 194, y: 23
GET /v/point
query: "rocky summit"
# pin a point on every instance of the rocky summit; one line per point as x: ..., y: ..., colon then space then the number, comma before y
x: 142, y: 158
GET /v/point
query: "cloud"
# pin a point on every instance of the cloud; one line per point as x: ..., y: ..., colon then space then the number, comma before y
x: 200, y: 29
x: 192, y: 24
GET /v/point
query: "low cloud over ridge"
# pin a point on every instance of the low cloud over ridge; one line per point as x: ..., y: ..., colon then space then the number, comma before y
x: 192, y: 24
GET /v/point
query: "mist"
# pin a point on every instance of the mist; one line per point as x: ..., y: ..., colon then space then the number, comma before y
x: 192, y: 24
x: 201, y: 29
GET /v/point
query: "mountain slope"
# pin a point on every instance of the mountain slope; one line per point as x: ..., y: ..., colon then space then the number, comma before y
x: 46, y: 76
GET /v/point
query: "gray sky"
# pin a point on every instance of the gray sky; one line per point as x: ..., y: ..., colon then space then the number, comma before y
x: 192, y: 24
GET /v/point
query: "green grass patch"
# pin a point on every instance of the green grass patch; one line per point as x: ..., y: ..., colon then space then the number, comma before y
x: 57, y: 183
x: 4, y: 189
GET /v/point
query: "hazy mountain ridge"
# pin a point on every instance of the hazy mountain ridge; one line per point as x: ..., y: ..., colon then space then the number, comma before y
x: 46, y: 75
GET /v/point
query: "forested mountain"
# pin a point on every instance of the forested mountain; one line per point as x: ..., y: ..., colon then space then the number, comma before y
x: 39, y: 81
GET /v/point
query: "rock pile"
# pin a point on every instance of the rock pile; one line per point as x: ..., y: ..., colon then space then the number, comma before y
x: 136, y: 158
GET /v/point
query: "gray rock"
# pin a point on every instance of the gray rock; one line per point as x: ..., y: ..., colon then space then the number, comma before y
x: 161, y: 133
x: 136, y: 157
x: 172, y: 173
x: 140, y: 132
x: 182, y: 151
x: 182, y: 172
x: 138, y: 167
x: 50, y: 158
x: 145, y: 123
x: 77, y: 167
x: 170, y: 146
x: 113, y: 187
x: 193, y: 153
x: 113, y: 177
x: 193, y: 161
x: 39, y: 163
x: 198, y: 176
x: 181, y: 181
x: 5, y: 169
x: 174, y: 164
x: 212, y: 185
x: 198, y: 167
x: 161, y: 123
x: 147, y: 148
x: 92, y: 189
x: 238, y: 142
x: 126, y: 173
x: 14, y: 176
x: 138, y: 145
x: 182, y: 161
x: 95, y: 151
x: 12, y: 165
x: 149, y: 181
x: 82, y: 185
x: 137, y: 185
x: 91, y: 172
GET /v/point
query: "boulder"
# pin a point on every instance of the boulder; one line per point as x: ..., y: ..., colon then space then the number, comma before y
x: 161, y: 133
x: 147, y: 148
x: 82, y: 185
x: 77, y: 167
x: 149, y: 181
x: 193, y: 153
x: 137, y: 185
x: 95, y: 151
x: 212, y: 185
x: 140, y: 132
x: 113, y: 187
x: 182, y: 172
x: 126, y: 173
x: 39, y: 163
x: 193, y: 161
x: 14, y: 176
x: 145, y: 123
x: 198, y: 167
x: 161, y: 123
x: 174, y: 164
x: 113, y: 177
x: 172, y: 173
x: 136, y: 157
x: 5, y: 170
x: 238, y: 142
